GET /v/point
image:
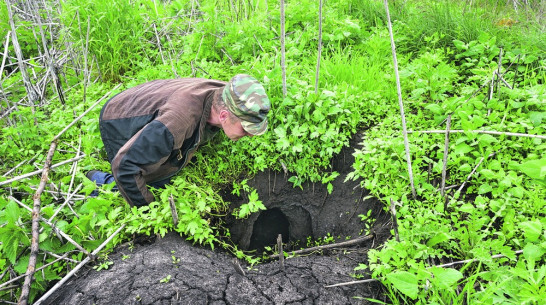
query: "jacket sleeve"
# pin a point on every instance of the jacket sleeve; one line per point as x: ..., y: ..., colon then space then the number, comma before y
x: 150, y: 145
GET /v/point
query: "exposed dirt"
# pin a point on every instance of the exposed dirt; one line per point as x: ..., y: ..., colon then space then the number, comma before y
x: 169, y: 270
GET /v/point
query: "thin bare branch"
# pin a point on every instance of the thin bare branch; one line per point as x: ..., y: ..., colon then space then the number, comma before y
x: 441, y: 266
x: 283, y: 53
x: 469, y: 176
x: 78, y: 267
x: 31, y: 90
x: 446, y: 151
x: 394, y: 220
x: 319, y: 47
x: 37, y: 269
x: 6, y: 45
x: 86, y: 112
x: 36, y: 172
x: 57, y: 230
x: 34, y: 246
x: 329, y: 246
x: 400, y: 103
x: 499, y: 133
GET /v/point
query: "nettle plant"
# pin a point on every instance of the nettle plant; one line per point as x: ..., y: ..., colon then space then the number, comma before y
x: 306, y: 131
x: 497, y: 212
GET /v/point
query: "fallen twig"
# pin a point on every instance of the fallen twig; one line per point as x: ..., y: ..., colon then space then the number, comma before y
x: 37, y: 269
x: 500, y: 133
x: 6, y: 45
x: 36, y: 172
x: 57, y: 230
x: 446, y: 150
x: 18, y: 165
x: 283, y: 53
x: 329, y: 246
x: 504, y: 81
x: 469, y: 176
x: 319, y: 47
x: 34, y: 245
x: 78, y: 267
x: 440, y: 266
x: 67, y: 199
x: 86, y: 112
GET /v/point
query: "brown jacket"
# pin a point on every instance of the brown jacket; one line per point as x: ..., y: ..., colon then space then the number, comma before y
x: 151, y: 131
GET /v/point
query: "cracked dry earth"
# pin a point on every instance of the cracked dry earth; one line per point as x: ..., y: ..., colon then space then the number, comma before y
x: 201, y: 276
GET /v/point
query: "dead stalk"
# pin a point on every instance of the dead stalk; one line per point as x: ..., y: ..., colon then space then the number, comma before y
x: 173, y: 211
x: 281, y: 251
x: 86, y: 112
x: 159, y: 44
x: 34, y: 246
x: 499, y: 133
x: 78, y: 267
x: 5, y: 56
x: 394, y: 220
x: 400, y: 103
x: 446, y: 150
x: 283, y: 53
x: 469, y: 176
x: 31, y: 90
x: 36, y: 172
x: 319, y: 47
x: 329, y: 246
x: 65, y: 256
x: 441, y: 266
x: 57, y: 230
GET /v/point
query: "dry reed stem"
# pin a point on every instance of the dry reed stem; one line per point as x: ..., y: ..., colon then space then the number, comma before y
x: 283, y: 53
x: 491, y: 132
x: 319, y: 47
x: 34, y: 245
x: 446, y: 150
x: 78, y: 267
x: 400, y: 103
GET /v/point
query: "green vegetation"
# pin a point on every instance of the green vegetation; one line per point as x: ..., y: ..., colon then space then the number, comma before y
x: 448, y: 52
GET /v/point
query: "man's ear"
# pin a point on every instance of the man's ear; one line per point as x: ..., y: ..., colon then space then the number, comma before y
x: 224, y: 114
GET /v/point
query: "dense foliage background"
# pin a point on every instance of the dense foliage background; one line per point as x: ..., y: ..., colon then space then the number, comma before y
x: 480, y: 63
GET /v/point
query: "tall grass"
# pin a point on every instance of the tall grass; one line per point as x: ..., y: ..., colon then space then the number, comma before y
x: 119, y: 34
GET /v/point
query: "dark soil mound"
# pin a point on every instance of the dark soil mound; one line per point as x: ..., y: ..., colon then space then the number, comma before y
x: 171, y: 271
x: 200, y: 276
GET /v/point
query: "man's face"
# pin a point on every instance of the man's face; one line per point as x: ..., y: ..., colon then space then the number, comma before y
x: 232, y: 127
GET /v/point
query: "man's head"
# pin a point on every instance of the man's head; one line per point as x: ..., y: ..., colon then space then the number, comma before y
x: 245, y: 98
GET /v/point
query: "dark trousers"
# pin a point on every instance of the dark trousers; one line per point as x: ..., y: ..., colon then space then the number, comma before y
x: 101, y: 178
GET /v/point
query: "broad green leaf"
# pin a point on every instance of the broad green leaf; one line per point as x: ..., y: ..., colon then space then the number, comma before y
x: 532, y: 229
x: 537, y: 117
x: 445, y: 277
x: 484, y: 188
x: 405, y: 282
x: 9, y: 247
x: 12, y: 212
x: 460, y: 45
x: 532, y: 252
x: 441, y: 237
x: 535, y: 169
x: 435, y: 108
x: 487, y: 139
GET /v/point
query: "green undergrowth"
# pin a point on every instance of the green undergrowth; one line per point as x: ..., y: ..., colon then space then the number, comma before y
x: 447, y: 51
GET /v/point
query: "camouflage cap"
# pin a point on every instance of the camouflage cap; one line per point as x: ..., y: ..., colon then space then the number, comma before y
x: 245, y: 97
